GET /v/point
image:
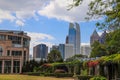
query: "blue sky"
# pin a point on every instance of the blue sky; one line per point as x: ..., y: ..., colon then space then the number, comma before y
x: 46, y: 21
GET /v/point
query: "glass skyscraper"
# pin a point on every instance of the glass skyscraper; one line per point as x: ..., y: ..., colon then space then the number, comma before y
x: 74, y: 37
x: 40, y: 51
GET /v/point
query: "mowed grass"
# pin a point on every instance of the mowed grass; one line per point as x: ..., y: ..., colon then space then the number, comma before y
x: 26, y: 77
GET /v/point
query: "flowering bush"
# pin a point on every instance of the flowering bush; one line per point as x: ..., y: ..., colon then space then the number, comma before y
x: 92, y: 63
x: 47, y: 65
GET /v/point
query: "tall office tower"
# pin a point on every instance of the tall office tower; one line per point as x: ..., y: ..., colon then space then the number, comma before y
x: 74, y: 37
x: 94, y: 37
x: 66, y: 41
x: 14, y: 50
x: 77, y: 38
x: 85, y: 50
x: 62, y: 50
x: 40, y: 51
x: 69, y: 50
x: 103, y: 37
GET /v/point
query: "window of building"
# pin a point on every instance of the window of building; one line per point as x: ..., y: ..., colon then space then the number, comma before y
x: 25, y: 42
x: 8, y: 52
x: 16, y: 53
x: 16, y: 66
x: 15, y: 39
x: 1, y: 50
x: 2, y: 37
x: 7, y: 67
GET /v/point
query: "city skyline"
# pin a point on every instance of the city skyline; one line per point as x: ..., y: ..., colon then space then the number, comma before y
x: 45, y: 21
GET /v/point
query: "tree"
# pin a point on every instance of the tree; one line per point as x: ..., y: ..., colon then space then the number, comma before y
x: 54, y: 56
x: 107, y: 9
x: 75, y: 57
x: 29, y: 66
x: 111, y: 46
x: 98, y: 50
x: 113, y: 42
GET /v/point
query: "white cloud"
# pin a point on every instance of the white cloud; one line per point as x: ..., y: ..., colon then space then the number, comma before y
x: 25, y: 9
x: 56, y: 9
x: 38, y: 38
x: 20, y: 23
x: 6, y: 15
x: 20, y: 9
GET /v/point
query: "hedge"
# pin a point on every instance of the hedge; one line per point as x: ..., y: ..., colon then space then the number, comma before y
x: 98, y: 78
x: 86, y: 77
x: 64, y: 75
x: 49, y: 74
x: 33, y: 73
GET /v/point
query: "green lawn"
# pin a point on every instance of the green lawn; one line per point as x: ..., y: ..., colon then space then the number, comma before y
x: 26, y: 77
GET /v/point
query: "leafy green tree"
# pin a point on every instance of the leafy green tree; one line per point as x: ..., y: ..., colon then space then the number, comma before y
x: 107, y: 9
x: 77, y: 56
x: 29, y: 66
x: 98, y: 50
x: 113, y: 42
x: 54, y: 56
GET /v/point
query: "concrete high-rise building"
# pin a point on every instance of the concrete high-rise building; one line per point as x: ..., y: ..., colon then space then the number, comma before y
x: 74, y: 37
x: 85, y: 50
x: 14, y: 50
x: 94, y: 37
x: 62, y: 50
x: 69, y: 50
x: 40, y: 51
x: 54, y: 47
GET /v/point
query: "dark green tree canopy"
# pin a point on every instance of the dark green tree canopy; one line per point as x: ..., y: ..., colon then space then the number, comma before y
x: 113, y: 42
x: 54, y: 56
x: 98, y: 50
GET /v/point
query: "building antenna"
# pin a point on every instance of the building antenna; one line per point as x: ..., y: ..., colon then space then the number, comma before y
x: 20, y: 28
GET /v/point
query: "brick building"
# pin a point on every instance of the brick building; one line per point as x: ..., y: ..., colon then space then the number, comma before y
x: 14, y: 50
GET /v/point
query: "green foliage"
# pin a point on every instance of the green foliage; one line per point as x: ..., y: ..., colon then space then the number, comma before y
x: 33, y: 73
x: 83, y: 77
x: 113, y: 42
x: 98, y: 78
x: 75, y: 3
x: 64, y: 75
x: 29, y: 66
x: 115, y: 58
x: 54, y: 56
x: 109, y: 9
x: 111, y: 46
x: 98, y: 50
x: 49, y: 74
x: 75, y: 57
x: 84, y: 72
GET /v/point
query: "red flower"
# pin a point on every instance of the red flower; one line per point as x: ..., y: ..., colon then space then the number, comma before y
x: 92, y: 63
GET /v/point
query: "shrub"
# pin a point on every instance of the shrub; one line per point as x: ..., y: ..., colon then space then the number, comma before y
x: 64, y: 75
x: 84, y: 77
x: 98, y: 78
x: 33, y: 73
x: 49, y: 74
x: 59, y: 71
